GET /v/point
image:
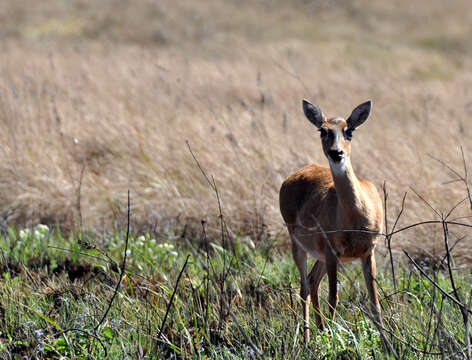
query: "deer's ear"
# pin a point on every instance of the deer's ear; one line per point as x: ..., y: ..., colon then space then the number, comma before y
x: 313, y: 113
x: 359, y: 115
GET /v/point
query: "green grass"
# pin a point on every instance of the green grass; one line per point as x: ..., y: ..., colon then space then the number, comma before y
x: 40, y: 304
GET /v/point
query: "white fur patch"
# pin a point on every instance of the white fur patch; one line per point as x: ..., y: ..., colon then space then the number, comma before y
x: 338, y: 120
x: 338, y: 168
x: 313, y: 253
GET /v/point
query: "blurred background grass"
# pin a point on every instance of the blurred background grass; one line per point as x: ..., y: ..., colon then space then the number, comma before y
x: 115, y: 88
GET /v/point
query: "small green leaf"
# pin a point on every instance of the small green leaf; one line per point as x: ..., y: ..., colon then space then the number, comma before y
x: 61, y: 342
x: 108, y: 332
x: 50, y: 321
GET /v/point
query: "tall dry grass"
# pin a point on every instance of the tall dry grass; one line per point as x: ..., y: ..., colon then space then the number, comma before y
x: 116, y: 89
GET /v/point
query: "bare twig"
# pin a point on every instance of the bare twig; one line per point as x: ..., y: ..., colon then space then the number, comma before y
x: 444, y: 292
x: 454, y: 208
x: 93, y: 333
x: 466, y: 179
x: 207, y: 287
x: 224, y: 274
x: 80, y: 253
x: 465, y: 315
x: 388, y: 236
x: 172, y: 298
x: 463, y: 178
x: 430, y: 320
x: 430, y: 222
x: 223, y: 243
x: 425, y: 201
x: 122, y: 270
x: 79, y: 196
x: 199, y: 166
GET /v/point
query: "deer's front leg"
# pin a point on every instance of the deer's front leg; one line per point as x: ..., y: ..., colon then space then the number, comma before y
x: 369, y: 269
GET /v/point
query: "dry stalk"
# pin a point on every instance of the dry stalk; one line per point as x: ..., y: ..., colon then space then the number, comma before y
x: 459, y: 177
x: 444, y: 292
x: 388, y: 236
x: 122, y: 270
x: 172, y: 297
x: 222, y: 278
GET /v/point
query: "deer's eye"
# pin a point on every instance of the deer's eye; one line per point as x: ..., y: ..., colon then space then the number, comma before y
x: 323, y: 133
x: 348, y: 133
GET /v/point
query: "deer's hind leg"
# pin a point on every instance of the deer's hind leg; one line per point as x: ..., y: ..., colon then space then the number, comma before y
x: 299, y: 255
x: 314, y: 278
x: 332, y: 270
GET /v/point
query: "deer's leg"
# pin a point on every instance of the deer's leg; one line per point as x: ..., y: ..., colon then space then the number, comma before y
x: 314, y: 278
x: 369, y: 269
x: 332, y: 270
x: 299, y: 255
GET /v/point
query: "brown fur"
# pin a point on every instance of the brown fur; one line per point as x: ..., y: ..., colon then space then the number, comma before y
x: 310, y: 194
x: 333, y: 215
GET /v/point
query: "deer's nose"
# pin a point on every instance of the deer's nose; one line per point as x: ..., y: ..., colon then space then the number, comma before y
x: 336, y: 155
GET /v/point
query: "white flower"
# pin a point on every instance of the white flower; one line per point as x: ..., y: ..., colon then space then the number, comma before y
x: 42, y: 228
x: 24, y: 233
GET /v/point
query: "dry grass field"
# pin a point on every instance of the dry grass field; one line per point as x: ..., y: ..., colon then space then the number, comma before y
x: 98, y: 97
x: 116, y: 88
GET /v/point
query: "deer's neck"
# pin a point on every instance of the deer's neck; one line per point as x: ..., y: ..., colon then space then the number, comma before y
x: 348, y: 189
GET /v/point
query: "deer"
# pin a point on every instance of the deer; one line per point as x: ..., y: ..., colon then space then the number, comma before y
x: 332, y: 215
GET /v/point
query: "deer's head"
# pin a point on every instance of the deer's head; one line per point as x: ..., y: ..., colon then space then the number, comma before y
x: 336, y: 133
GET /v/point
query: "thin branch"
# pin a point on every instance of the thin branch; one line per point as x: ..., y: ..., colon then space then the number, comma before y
x: 444, y: 292
x: 79, y: 196
x: 401, y: 211
x: 464, y: 313
x: 122, y: 272
x: 426, y: 202
x: 199, y: 166
x: 454, y: 208
x: 311, y: 230
x: 453, y: 246
x: 446, y: 166
x: 388, y: 237
x: 80, y: 253
x: 223, y: 276
x: 466, y: 179
x: 430, y: 222
x: 172, y: 298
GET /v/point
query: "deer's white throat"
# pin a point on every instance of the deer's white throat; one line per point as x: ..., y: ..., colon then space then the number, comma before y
x: 339, y: 167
